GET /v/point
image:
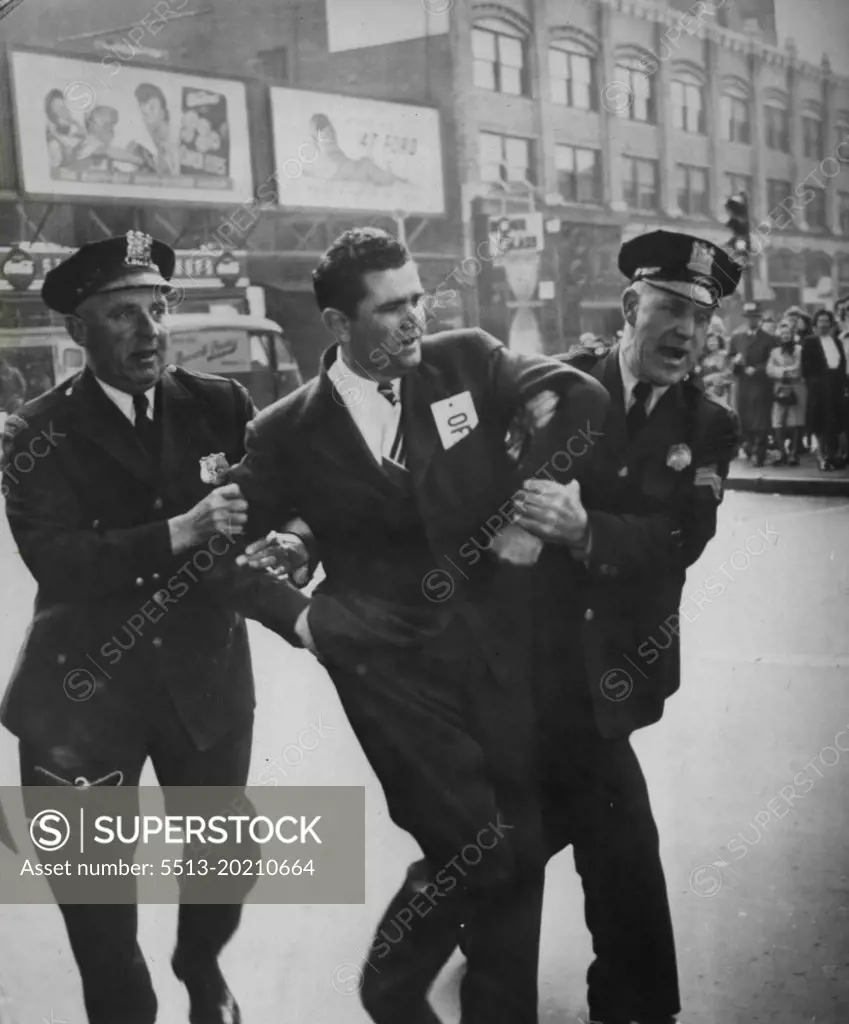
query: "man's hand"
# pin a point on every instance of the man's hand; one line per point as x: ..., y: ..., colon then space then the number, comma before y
x: 540, y: 409
x: 224, y: 510
x: 516, y: 546
x: 554, y: 512
x: 277, y: 553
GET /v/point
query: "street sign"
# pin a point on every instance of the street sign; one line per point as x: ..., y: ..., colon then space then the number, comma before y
x: 523, y: 232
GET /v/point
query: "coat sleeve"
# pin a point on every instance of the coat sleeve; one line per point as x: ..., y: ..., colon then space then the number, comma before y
x: 567, y: 441
x: 632, y: 546
x: 45, y: 513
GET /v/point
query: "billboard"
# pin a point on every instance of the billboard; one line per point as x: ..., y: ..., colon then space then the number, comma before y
x: 351, y: 26
x: 118, y: 131
x: 348, y: 153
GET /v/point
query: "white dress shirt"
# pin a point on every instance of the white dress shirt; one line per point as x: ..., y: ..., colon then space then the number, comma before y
x: 376, y: 417
x: 629, y: 382
x: 830, y: 351
x: 124, y: 401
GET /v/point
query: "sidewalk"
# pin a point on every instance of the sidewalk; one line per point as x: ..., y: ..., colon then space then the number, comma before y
x: 803, y: 479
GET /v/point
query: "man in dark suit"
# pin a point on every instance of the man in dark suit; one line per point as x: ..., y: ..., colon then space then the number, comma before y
x: 396, y: 458
x: 134, y: 651
x: 749, y: 353
x: 619, y: 539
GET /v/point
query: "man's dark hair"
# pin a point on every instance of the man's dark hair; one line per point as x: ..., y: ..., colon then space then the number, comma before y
x: 338, y: 279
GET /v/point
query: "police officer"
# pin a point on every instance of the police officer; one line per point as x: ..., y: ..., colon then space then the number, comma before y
x: 135, y: 650
x: 619, y: 539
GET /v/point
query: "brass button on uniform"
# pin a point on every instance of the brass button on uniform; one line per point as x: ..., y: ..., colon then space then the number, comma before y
x: 95, y: 524
x: 623, y: 472
x: 158, y: 503
x: 155, y: 577
x: 139, y: 581
x: 157, y: 642
x: 589, y: 614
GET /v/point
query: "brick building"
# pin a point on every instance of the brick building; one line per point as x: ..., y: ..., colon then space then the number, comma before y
x: 605, y: 118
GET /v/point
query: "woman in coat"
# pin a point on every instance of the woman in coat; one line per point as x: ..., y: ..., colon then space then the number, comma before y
x: 824, y: 372
x: 789, y: 393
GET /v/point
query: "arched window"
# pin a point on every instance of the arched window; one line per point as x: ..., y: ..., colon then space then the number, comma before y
x: 777, y: 121
x: 735, y: 112
x: 500, y: 58
x: 572, y: 68
x: 634, y: 100
x: 813, y: 136
x: 688, y: 101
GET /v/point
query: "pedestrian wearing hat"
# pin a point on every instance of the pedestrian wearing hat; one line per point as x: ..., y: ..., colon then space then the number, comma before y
x: 619, y: 540
x: 137, y: 649
x: 749, y: 353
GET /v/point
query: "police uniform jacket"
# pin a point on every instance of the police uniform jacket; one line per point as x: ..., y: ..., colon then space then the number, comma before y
x: 651, y: 503
x: 119, y: 618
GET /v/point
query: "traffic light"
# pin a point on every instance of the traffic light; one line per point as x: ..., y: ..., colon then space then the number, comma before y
x: 737, y: 208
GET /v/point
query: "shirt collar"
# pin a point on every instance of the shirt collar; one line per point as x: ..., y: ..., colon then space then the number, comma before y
x: 340, y: 374
x: 124, y: 401
x: 629, y: 382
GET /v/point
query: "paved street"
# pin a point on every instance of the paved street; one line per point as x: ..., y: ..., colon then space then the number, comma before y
x: 746, y: 772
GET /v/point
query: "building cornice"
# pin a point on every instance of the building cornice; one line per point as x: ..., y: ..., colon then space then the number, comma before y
x: 736, y: 42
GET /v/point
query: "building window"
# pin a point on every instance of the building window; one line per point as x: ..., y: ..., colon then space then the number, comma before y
x: 815, y: 211
x: 504, y: 158
x: 578, y: 174
x: 739, y: 183
x: 777, y: 192
x: 640, y: 183
x: 499, y: 52
x: 275, y: 63
x: 777, y: 126
x: 636, y: 101
x: 812, y: 137
x: 843, y: 200
x: 572, y: 71
x: 692, y: 187
x: 736, y: 122
x: 688, y: 108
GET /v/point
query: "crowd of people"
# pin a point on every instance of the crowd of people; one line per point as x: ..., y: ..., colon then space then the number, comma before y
x: 787, y: 380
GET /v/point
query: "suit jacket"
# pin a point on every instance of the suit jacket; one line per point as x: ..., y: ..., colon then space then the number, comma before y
x: 651, y: 505
x: 386, y: 582
x: 116, y: 613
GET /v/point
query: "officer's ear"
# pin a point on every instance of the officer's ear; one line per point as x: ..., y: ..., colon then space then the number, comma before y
x: 76, y: 327
x: 630, y: 302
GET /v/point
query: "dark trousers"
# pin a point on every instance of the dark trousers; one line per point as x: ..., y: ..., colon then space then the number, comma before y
x: 596, y: 799
x: 115, y: 979
x: 438, y: 731
x: 420, y: 930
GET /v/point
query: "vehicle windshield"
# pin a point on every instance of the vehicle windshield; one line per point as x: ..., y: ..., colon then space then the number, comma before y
x: 261, y: 342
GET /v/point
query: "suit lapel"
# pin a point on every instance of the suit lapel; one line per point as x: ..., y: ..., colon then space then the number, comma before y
x: 334, y: 434
x: 419, y: 390
x: 98, y: 419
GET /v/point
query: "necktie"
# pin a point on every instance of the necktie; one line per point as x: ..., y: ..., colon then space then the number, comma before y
x: 638, y: 415
x: 144, y: 426
x: 397, y: 453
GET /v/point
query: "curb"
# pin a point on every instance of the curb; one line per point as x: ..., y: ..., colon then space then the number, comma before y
x: 824, y: 486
